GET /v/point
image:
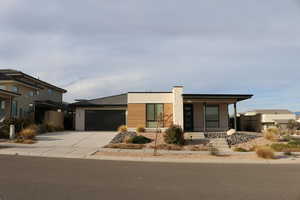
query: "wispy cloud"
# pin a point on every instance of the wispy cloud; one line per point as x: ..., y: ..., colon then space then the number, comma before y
x: 97, y: 48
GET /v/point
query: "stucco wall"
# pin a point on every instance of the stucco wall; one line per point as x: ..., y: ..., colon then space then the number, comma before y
x: 150, y: 98
x: 272, y: 117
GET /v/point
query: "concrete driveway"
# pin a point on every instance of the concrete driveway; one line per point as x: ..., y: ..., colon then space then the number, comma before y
x: 67, y: 144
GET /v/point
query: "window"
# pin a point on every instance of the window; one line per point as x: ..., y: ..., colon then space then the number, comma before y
x: 50, y: 91
x: 212, y: 116
x: 14, y: 108
x: 153, y: 112
x: 31, y: 94
x: 15, y: 89
x: 2, y: 104
x: 2, y: 87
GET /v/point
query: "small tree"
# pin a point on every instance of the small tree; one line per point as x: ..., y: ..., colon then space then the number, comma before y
x: 159, y: 124
x: 292, y: 126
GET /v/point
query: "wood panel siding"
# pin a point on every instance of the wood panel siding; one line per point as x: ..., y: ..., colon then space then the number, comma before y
x: 136, y: 115
x: 168, y: 114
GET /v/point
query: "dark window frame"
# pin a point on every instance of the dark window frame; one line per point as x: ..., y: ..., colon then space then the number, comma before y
x: 155, y: 114
x: 206, y: 120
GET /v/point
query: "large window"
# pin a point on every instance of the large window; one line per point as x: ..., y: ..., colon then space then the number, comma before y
x: 154, y: 112
x: 212, y: 116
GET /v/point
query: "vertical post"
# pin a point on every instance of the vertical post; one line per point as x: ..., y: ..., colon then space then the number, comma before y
x: 10, y: 107
x: 204, y: 117
x: 235, y: 115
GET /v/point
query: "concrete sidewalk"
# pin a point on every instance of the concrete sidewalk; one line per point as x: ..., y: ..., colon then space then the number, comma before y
x: 67, y: 144
x: 171, y: 156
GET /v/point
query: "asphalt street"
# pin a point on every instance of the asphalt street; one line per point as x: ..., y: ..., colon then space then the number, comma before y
x: 35, y: 178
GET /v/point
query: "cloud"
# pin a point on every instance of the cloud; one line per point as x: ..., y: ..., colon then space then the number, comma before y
x: 97, y: 48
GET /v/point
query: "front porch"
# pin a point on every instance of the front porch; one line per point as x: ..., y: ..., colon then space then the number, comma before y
x: 209, y: 113
x: 6, y: 104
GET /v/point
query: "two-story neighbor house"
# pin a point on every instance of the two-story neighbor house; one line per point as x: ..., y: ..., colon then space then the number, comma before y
x: 193, y: 112
x: 27, y: 96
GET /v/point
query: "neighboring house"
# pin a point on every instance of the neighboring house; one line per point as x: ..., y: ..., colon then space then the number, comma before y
x: 259, y: 120
x: 297, y: 116
x: 6, y: 98
x: 34, y: 98
x: 193, y: 112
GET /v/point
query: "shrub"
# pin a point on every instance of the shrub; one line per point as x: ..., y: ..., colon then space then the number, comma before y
x: 288, y: 153
x: 140, y: 140
x: 19, y: 125
x: 174, y: 135
x: 140, y: 129
x: 122, y: 129
x: 48, y: 128
x: 125, y: 146
x: 29, y: 132
x: 271, y: 134
x: 240, y: 149
x: 265, y: 152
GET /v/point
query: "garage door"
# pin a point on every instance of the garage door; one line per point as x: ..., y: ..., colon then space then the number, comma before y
x: 104, y: 120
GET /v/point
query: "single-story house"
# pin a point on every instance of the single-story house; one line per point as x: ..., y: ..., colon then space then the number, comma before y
x: 259, y: 120
x: 193, y: 112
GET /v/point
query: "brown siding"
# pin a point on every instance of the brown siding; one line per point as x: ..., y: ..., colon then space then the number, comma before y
x: 168, y: 114
x: 136, y: 115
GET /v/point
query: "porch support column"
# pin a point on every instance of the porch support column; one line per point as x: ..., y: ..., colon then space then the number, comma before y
x: 235, y: 115
x: 204, y: 117
x: 10, y: 107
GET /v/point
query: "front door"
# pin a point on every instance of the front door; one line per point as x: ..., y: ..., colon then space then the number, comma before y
x: 188, y: 117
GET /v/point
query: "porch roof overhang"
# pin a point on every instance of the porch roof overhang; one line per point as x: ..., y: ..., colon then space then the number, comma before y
x: 231, y: 98
x: 8, y: 94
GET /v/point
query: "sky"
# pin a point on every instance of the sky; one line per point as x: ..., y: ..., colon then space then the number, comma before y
x: 95, y: 48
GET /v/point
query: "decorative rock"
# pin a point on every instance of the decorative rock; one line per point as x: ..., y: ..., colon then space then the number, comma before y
x: 119, y: 138
x: 231, y: 132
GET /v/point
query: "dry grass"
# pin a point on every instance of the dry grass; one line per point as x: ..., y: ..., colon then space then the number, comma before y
x: 29, y: 132
x: 140, y: 129
x: 272, y: 134
x: 265, y: 152
x: 122, y: 129
x: 125, y: 146
x: 24, y: 141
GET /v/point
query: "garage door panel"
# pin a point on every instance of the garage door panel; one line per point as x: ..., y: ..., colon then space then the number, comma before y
x: 104, y: 120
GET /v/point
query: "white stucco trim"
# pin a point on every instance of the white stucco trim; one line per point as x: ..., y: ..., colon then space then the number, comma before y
x: 178, y: 106
x: 150, y: 97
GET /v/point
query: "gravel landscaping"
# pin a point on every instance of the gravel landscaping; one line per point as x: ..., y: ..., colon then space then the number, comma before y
x: 237, y: 138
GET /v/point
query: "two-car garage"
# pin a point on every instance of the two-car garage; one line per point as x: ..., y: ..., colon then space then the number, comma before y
x: 104, y: 120
x: 101, y: 114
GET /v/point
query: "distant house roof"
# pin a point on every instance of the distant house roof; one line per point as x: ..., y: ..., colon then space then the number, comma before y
x: 10, y: 74
x: 272, y: 111
x: 116, y: 100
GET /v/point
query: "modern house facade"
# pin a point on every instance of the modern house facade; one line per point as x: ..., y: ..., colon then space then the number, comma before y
x: 259, y: 120
x: 30, y: 97
x: 193, y: 112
